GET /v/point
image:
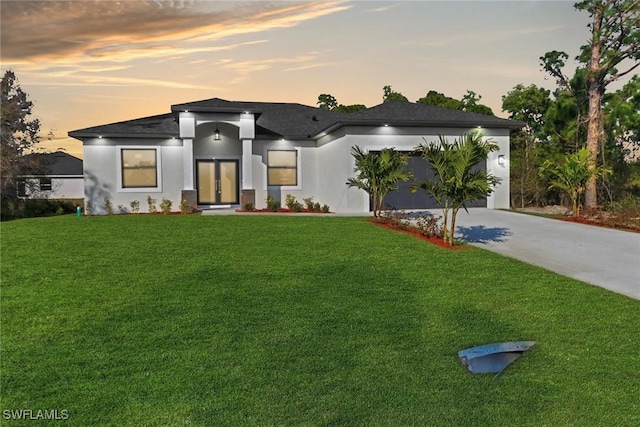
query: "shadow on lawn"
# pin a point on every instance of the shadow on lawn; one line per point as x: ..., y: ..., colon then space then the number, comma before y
x: 482, y: 234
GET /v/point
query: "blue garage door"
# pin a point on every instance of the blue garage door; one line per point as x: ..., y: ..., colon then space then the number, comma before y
x: 402, y: 198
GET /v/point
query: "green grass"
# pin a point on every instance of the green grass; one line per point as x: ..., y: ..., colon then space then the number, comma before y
x: 262, y: 320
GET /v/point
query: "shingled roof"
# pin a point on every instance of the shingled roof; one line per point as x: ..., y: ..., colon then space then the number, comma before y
x: 285, y: 120
x: 400, y: 113
x: 161, y: 126
x: 297, y: 121
x: 60, y: 163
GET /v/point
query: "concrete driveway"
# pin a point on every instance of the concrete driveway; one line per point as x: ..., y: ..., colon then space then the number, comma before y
x: 600, y: 256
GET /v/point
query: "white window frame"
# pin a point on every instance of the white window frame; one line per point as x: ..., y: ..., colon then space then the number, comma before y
x: 122, y: 189
x: 298, y: 151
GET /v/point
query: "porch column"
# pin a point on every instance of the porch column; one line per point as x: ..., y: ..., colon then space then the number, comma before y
x: 188, y: 133
x: 247, y: 171
x: 247, y: 134
x: 187, y: 163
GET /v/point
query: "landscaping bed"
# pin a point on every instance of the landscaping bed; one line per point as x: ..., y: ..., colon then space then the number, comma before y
x: 625, y: 218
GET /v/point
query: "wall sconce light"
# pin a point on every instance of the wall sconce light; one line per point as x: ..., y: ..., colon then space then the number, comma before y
x: 501, y: 160
x: 216, y: 135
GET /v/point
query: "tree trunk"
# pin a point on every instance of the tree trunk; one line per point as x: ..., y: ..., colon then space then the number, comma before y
x: 594, y: 136
x: 454, y: 213
x: 596, y: 90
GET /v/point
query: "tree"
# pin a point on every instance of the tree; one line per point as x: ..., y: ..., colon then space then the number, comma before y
x: 571, y: 175
x: 438, y: 99
x: 622, y: 134
x: 468, y: 103
x: 530, y: 105
x: 327, y: 102
x: 19, y: 136
x: 378, y: 173
x: 391, y: 95
x: 457, y: 180
x: 349, y: 109
x: 615, y: 41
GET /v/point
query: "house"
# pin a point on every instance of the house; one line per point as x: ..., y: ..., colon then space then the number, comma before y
x: 64, y: 178
x: 218, y: 153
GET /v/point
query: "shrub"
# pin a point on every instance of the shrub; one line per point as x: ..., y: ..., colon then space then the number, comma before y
x: 272, y: 204
x: 89, y: 209
x: 165, y: 206
x: 625, y: 213
x: 248, y: 207
x: 309, y: 203
x: 290, y: 201
x: 395, y: 217
x: 184, y: 206
x: 108, y: 206
x: 325, y: 208
x: 429, y: 225
x: 317, y: 207
x: 30, y: 208
x: 135, y: 206
x: 152, y: 205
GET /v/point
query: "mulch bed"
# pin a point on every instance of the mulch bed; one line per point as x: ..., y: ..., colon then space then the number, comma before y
x: 433, y: 240
x: 283, y: 210
x: 587, y: 221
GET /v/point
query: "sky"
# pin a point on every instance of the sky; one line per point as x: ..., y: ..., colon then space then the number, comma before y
x: 88, y: 63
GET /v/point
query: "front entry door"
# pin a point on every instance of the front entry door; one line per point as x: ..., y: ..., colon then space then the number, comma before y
x: 217, y: 182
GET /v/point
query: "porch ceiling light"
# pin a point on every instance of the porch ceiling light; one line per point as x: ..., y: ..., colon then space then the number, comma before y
x: 501, y: 160
x: 216, y: 135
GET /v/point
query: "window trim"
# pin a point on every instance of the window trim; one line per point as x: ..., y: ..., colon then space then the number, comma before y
x: 120, y: 169
x: 297, y: 167
x: 43, y: 185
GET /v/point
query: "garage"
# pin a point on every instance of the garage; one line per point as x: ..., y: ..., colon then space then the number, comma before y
x: 404, y: 199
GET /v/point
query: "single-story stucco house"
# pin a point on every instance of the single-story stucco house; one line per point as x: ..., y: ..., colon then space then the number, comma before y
x: 64, y: 178
x: 217, y: 153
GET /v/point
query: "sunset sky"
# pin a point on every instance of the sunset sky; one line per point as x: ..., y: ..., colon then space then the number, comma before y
x: 86, y: 63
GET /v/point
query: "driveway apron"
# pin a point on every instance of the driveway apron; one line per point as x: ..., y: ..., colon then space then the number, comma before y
x: 599, y: 256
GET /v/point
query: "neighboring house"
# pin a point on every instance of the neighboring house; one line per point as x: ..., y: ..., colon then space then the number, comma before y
x: 64, y: 178
x: 217, y: 153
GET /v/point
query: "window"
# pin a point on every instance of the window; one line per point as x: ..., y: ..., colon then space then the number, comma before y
x: 139, y: 168
x: 21, y: 188
x: 282, y: 167
x: 45, y: 184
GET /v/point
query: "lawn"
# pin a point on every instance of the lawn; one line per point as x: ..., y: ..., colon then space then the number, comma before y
x: 265, y: 320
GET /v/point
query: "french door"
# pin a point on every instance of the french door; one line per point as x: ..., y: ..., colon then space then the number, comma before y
x: 217, y: 182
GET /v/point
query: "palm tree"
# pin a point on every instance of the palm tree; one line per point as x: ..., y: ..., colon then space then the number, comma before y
x: 378, y: 173
x: 572, y: 174
x: 456, y: 182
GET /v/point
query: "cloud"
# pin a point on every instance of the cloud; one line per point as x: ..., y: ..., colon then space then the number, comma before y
x: 242, y: 69
x: 68, y: 31
x: 310, y: 66
x: 383, y: 8
x: 92, y: 80
x: 488, y: 36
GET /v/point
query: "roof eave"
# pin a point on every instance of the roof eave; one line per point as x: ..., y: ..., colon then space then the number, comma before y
x: 80, y: 135
x: 195, y: 109
x: 512, y: 124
